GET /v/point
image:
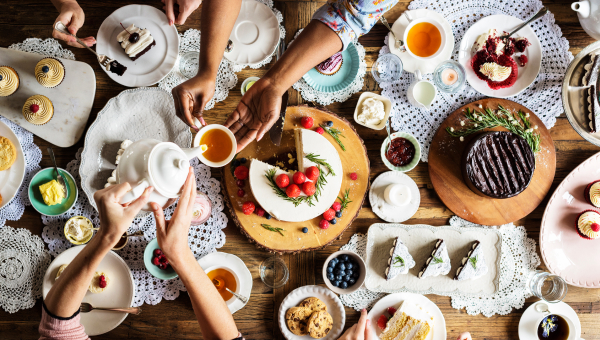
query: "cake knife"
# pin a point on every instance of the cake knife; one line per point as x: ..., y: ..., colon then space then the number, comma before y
x: 277, y: 128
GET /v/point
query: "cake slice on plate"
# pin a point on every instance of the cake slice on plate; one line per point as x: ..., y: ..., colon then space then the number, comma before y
x: 590, y: 74
x: 135, y: 41
x: 438, y: 262
x: 473, y: 265
x: 400, y: 260
x: 410, y: 322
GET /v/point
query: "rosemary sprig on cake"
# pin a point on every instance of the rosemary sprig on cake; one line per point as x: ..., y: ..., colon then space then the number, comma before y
x: 319, y: 161
x: 275, y: 229
x: 437, y: 260
x: 473, y: 261
x: 400, y: 260
x: 345, y: 199
x: 335, y: 133
x: 518, y: 123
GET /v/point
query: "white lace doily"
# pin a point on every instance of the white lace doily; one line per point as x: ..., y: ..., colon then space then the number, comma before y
x: 226, y: 77
x: 202, y: 239
x: 326, y: 98
x: 49, y: 47
x: 519, y: 259
x: 543, y: 96
x: 23, y: 263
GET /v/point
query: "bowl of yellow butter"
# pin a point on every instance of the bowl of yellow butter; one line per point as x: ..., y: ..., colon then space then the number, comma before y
x: 45, y: 193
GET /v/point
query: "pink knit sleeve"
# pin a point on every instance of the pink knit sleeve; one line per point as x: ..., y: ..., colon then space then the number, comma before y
x: 57, y: 328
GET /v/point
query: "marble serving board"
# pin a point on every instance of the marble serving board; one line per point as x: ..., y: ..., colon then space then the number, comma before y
x: 72, y: 99
x: 420, y: 240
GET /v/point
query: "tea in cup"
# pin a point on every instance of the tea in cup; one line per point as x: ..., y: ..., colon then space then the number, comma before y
x: 424, y: 37
x: 421, y: 93
x: 555, y: 327
x: 220, y: 145
x: 222, y: 278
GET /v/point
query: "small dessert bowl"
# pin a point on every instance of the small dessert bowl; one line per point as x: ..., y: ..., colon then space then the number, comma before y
x: 122, y: 242
x: 359, y: 280
x: 80, y: 219
x: 416, y: 158
x: 245, y: 87
x: 201, y: 133
x: 163, y: 274
x: 36, y: 199
x: 387, y: 106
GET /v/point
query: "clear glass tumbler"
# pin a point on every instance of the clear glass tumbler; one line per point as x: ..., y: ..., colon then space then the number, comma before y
x: 548, y: 287
x: 449, y: 76
x: 273, y: 272
x: 387, y: 68
x: 189, y: 63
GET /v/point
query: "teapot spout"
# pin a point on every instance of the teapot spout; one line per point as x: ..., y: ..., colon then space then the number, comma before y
x: 194, y: 152
x: 582, y: 8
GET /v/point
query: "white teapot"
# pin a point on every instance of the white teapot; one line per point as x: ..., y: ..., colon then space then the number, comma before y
x: 162, y: 165
x: 588, y: 12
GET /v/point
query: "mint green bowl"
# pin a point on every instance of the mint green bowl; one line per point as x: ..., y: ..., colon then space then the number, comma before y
x: 35, y: 196
x: 410, y: 165
x: 166, y: 274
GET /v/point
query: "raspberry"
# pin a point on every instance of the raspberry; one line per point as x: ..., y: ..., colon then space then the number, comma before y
x: 241, y: 193
x: 323, y: 224
x: 155, y: 261
x: 240, y: 183
x: 391, y: 311
x: 248, y: 208
x: 336, y: 206
x: 299, y: 178
x: 595, y: 227
x: 307, y: 122
x: 34, y: 108
x: 309, y: 188
x: 329, y: 214
x: 320, y: 130
x: 312, y: 173
x: 157, y: 252
x: 162, y: 266
x: 292, y: 191
x: 523, y: 60
x: 282, y: 180
x: 260, y: 211
x: 102, y: 282
x: 354, y: 176
x: 382, y: 322
x: 241, y: 172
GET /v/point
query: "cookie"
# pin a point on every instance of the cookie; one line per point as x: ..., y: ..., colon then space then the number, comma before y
x: 319, y: 324
x: 296, y: 319
x: 314, y: 304
x: 95, y: 284
x: 8, y: 153
x: 60, y: 270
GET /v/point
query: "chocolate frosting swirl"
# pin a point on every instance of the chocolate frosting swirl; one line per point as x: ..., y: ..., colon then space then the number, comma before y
x: 44, y: 112
x: 55, y: 74
x: 10, y: 81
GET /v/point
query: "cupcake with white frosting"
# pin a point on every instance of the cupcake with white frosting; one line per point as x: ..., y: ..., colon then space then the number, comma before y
x: 38, y: 109
x: 592, y: 193
x: 588, y: 225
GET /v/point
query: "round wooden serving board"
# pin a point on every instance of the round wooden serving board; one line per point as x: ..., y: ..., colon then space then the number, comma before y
x: 354, y: 159
x: 446, y: 175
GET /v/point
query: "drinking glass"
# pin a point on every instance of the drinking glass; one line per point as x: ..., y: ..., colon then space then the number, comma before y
x: 387, y: 68
x: 439, y: 80
x: 189, y: 63
x: 548, y: 287
x: 273, y: 272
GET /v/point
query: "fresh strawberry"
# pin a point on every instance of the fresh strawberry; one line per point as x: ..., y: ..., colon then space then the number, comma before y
x: 248, y: 208
x: 241, y: 193
x: 299, y: 178
x: 241, y: 172
x: 260, y: 211
x: 391, y: 311
x: 282, y: 180
x: 292, y: 191
x: 354, y: 176
x: 329, y: 214
x: 323, y: 224
x: 382, y: 322
x: 309, y: 188
x: 307, y: 122
x: 320, y: 130
x: 336, y: 206
x: 312, y: 173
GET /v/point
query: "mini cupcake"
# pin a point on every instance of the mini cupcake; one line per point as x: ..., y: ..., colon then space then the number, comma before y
x: 9, y: 81
x: 588, y: 225
x: 331, y: 65
x: 49, y: 72
x: 38, y: 110
x: 592, y: 193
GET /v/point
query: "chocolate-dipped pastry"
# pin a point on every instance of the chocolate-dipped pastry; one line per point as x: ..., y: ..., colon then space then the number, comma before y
x: 593, y: 107
x: 400, y: 260
x: 438, y: 262
x: 590, y: 74
x: 498, y: 164
x: 473, y: 265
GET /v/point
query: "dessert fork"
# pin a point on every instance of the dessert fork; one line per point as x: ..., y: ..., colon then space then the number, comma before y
x: 86, y: 308
x: 102, y: 59
x: 59, y: 177
x: 538, y: 15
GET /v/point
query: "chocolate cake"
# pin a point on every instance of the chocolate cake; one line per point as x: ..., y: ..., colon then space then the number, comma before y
x: 498, y: 164
x: 438, y: 262
x: 473, y: 265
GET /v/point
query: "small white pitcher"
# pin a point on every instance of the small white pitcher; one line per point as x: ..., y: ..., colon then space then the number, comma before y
x: 421, y: 93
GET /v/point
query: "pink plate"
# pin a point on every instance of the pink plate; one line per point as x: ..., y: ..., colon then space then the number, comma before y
x: 565, y: 253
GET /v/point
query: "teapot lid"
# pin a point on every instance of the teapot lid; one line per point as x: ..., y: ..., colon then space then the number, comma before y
x: 168, y: 168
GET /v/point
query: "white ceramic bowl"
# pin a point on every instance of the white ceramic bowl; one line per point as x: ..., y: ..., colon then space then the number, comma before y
x: 387, y: 106
x: 408, y: 166
x: 245, y: 83
x: 359, y: 280
x: 207, y: 128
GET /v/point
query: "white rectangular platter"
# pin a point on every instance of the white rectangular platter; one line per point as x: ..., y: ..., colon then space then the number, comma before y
x: 72, y: 99
x: 420, y: 240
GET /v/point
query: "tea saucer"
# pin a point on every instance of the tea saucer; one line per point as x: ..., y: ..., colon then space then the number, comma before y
x: 411, y: 63
x: 530, y: 319
x: 240, y: 271
x: 386, y: 211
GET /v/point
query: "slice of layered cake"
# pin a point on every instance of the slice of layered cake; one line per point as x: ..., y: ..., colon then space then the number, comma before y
x: 473, y: 265
x: 410, y: 322
x: 438, y: 262
x: 400, y: 260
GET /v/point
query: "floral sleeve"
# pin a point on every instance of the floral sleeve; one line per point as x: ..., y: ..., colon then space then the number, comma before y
x: 350, y: 19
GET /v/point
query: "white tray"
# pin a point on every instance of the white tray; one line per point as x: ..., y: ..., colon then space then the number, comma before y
x: 72, y: 99
x: 420, y: 239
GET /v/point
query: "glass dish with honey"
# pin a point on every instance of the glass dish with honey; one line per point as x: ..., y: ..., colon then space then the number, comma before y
x: 220, y: 145
x: 223, y: 278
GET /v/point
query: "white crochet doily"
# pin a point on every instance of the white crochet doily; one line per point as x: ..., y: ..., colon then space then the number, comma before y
x: 325, y: 98
x: 226, y: 77
x: 543, y: 96
x: 202, y: 239
x: 519, y: 260
x: 49, y: 47
x: 23, y: 263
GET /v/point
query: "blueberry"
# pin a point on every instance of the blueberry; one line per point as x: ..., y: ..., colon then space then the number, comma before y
x: 235, y: 163
x: 349, y: 266
x: 356, y: 274
x: 330, y: 277
x: 344, y: 285
x: 1, y: 77
x: 329, y: 123
x: 349, y: 272
x: 347, y: 278
x: 351, y: 281
x: 341, y: 266
x: 336, y: 283
x: 267, y: 216
x: 338, y: 214
x: 243, y: 160
x: 339, y: 277
x: 45, y: 69
x: 339, y: 272
x: 335, y: 260
x: 344, y: 258
x: 333, y: 221
x: 305, y: 230
x: 330, y: 270
x: 331, y: 264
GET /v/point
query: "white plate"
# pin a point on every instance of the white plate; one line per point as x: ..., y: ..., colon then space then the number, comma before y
x: 12, y: 178
x: 394, y: 300
x: 386, y: 211
x: 334, y: 307
x: 255, y: 34
x: 411, y: 63
x: 155, y: 64
x: 530, y: 319
x: 238, y: 267
x: 501, y: 23
x: 119, y: 293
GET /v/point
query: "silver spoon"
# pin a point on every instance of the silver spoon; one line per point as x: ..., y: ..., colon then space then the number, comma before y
x: 398, y: 42
x: 538, y: 15
x: 240, y: 297
x: 86, y: 308
x: 59, y: 177
x: 541, y: 307
x: 387, y: 128
x: 102, y: 59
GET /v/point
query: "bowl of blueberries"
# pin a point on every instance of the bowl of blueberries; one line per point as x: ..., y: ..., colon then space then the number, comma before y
x: 344, y: 272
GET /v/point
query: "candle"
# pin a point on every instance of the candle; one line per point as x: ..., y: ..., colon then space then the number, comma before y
x: 397, y: 195
x: 449, y: 76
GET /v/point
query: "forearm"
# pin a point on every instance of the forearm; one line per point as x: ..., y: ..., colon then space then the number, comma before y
x: 214, y: 317
x: 59, y: 3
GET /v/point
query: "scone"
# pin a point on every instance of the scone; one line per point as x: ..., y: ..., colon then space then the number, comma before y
x: 319, y: 324
x: 60, y: 270
x: 296, y: 319
x: 98, y: 285
x: 8, y: 153
x: 314, y: 304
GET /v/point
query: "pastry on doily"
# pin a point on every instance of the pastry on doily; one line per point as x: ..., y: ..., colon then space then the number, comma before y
x: 49, y: 72
x: 135, y: 41
x: 589, y: 76
x: 99, y: 282
x: 588, y: 225
x: 8, y: 153
x: 38, y: 109
x: 331, y: 65
x: 473, y: 265
x: 592, y: 193
x: 9, y: 81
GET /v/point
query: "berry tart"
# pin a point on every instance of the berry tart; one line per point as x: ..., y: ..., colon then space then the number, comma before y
x: 588, y: 225
x: 331, y: 65
x: 135, y: 41
x: 590, y: 79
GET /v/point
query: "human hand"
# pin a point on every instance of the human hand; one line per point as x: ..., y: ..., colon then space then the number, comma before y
x: 172, y: 235
x: 186, y: 7
x: 361, y: 330
x: 116, y: 218
x: 73, y: 17
x: 464, y: 336
x: 191, y: 97
x: 256, y: 113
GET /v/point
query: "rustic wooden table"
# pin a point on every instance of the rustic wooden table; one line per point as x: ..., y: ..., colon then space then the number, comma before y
x: 21, y: 19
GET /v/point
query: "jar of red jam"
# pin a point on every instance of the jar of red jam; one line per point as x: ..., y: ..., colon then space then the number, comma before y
x: 400, y: 152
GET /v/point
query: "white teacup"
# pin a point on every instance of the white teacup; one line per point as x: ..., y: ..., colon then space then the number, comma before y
x: 421, y: 93
x: 412, y: 22
x: 538, y: 321
x: 237, y: 281
x: 209, y: 127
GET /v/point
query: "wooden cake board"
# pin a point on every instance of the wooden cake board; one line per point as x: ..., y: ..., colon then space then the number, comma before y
x: 446, y: 176
x: 354, y: 159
